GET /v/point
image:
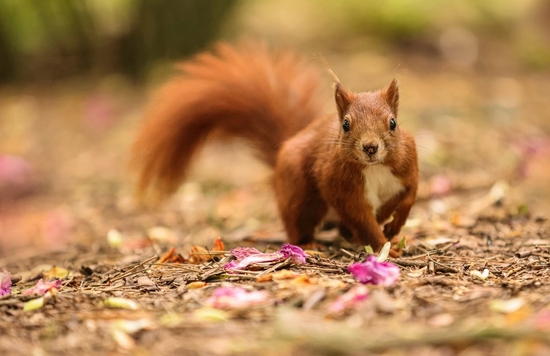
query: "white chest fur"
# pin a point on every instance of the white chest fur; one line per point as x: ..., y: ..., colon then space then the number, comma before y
x: 380, y: 185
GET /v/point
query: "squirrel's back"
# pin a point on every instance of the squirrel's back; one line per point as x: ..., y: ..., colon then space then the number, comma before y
x: 245, y: 91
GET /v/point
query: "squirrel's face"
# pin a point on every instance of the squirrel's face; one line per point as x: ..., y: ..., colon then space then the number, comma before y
x: 369, y: 131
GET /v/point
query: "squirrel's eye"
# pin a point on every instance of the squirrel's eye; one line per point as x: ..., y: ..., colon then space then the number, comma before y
x: 345, y: 126
x: 393, y: 124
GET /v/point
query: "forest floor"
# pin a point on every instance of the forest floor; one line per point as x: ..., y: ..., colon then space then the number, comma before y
x: 474, y: 276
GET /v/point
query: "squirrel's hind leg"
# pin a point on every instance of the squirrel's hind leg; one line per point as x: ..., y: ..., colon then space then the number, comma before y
x: 301, y: 208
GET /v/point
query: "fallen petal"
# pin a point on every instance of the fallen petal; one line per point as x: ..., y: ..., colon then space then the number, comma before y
x: 296, y: 253
x: 14, y: 170
x: 5, y: 282
x: 384, y: 252
x: 349, y: 300
x: 254, y: 259
x: 236, y: 297
x: 243, y: 252
x: 375, y: 272
x: 42, y: 287
x: 481, y: 275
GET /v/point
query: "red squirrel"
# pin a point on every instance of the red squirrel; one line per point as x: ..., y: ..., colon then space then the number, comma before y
x: 358, y: 161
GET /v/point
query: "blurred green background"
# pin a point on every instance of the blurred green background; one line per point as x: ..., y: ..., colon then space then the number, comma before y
x: 52, y: 39
x: 75, y: 77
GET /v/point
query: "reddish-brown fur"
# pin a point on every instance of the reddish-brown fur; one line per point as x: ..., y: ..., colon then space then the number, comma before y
x: 269, y: 99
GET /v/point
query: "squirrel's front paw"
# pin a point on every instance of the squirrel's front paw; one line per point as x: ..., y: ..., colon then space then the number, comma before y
x: 390, y: 230
x: 395, y: 252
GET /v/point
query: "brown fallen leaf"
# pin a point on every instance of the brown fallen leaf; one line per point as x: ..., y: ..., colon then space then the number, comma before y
x: 171, y: 257
x: 167, y: 256
x: 218, y: 244
x: 199, y: 254
x: 57, y: 272
x: 284, y: 274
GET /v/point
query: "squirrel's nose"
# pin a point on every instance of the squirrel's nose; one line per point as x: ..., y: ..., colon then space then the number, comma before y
x: 370, y: 149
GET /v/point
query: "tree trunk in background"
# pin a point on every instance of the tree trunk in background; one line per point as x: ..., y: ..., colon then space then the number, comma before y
x: 74, y: 45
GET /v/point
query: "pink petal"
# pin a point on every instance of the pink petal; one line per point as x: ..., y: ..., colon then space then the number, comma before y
x: 42, y: 287
x: 375, y: 272
x: 14, y: 170
x: 242, y: 252
x: 5, y: 282
x: 541, y: 319
x: 236, y: 297
x: 254, y: 259
x: 440, y: 185
x: 296, y: 253
x: 349, y: 299
x: 247, y: 256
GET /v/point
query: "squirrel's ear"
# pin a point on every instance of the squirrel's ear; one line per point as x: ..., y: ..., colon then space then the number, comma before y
x: 343, y: 99
x: 391, y: 94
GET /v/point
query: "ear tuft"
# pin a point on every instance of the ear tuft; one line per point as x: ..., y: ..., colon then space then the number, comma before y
x: 343, y: 99
x: 391, y: 94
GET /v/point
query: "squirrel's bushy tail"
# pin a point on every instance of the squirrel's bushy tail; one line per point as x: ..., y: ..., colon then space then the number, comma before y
x: 245, y: 91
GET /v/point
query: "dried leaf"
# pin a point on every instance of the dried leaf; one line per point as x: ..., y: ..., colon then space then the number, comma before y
x: 167, y: 256
x: 507, y: 306
x: 132, y: 326
x: 57, y: 272
x: 218, y: 244
x: 283, y: 274
x: 196, y: 285
x: 122, y: 339
x: 171, y: 257
x: 441, y: 320
x: 121, y: 303
x: 265, y: 278
x: 303, y: 279
x: 34, y: 304
x: 144, y: 281
x: 115, y: 238
x: 210, y: 314
x: 402, y: 244
x: 171, y: 319
x: 199, y: 254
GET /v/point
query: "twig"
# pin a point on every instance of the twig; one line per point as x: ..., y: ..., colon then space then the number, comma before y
x: 443, y: 267
x: 284, y: 263
x: 524, y: 254
x: 133, y: 270
x: 408, y: 263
